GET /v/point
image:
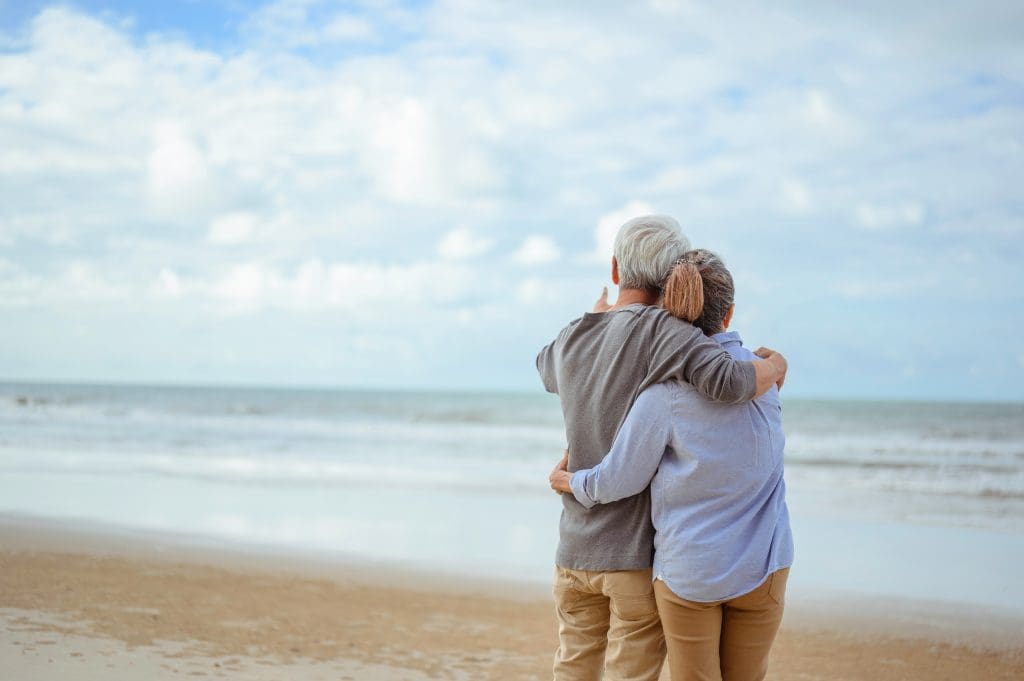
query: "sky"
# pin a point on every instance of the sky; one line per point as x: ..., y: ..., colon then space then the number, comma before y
x: 420, y: 195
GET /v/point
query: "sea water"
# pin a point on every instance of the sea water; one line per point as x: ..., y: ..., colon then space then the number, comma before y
x: 924, y: 500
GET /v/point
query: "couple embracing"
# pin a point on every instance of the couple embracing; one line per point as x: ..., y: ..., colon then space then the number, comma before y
x: 674, y: 532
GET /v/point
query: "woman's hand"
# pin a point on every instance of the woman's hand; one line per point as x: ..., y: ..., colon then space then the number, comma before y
x: 561, y: 477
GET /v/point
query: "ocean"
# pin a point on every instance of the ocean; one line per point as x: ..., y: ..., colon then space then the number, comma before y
x: 916, y: 500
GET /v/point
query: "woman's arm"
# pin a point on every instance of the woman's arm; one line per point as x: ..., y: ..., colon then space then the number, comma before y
x: 634, y: 457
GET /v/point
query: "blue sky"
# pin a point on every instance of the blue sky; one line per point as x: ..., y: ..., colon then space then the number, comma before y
x: 420, y: 195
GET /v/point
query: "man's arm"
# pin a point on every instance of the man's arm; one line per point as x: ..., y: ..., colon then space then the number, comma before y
x: 547, y: 358
x: 680, y: 351
x: 634, y: 457
x: 546, y: 369
x: 771, y: 369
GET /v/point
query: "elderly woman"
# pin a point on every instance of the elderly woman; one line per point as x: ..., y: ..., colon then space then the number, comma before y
x: 723, y: 545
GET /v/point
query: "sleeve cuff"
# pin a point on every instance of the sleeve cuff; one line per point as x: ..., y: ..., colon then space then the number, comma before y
x: 578, y: 483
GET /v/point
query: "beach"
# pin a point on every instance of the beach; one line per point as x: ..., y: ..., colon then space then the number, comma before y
x: 96, y: 603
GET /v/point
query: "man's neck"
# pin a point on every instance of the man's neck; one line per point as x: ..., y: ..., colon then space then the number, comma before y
x: 632, y: 296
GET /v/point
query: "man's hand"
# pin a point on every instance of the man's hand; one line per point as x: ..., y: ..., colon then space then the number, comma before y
x: 602, y: 303
x: 560, y: 476
x: 778, y: 362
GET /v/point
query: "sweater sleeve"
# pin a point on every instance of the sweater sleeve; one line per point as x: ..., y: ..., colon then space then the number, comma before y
x: 545, y: 367
x: 548, y: 358
x: 680, y: 351
x: 635, y: 455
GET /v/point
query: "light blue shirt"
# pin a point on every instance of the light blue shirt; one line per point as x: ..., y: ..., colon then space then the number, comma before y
x: 718, y: 499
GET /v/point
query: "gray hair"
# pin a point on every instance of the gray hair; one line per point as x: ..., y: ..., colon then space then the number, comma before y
x: 646, y: 248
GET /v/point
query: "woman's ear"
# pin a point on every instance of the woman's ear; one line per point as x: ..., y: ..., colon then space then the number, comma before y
x: 615, y: 271
x: 728, y: 316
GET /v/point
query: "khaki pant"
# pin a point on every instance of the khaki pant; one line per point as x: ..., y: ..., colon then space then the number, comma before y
x: 728, y: 640
x: 607, y: 622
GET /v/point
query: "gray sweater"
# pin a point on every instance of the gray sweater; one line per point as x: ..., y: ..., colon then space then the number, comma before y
x: 598, y: 365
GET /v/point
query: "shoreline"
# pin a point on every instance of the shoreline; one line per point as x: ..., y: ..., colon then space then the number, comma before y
x: 185, y: 602
x: 20, y: 532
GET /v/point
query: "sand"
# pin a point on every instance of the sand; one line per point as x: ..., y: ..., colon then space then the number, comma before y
x: 79, y: 604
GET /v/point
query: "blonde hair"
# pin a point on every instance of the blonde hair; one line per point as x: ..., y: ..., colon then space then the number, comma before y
x: 700, y: 290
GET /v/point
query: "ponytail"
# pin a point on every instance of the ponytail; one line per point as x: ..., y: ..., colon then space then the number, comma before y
x: 700, y: 290
x: 684, y: 291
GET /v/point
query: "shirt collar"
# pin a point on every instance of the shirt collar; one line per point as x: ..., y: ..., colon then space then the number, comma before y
x: 728, y: 338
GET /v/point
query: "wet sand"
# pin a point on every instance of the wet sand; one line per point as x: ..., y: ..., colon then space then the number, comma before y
x: 78, y: 604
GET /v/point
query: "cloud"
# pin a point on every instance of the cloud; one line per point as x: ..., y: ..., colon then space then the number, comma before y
x: 608, y: 226
x: 462, y: 243
x: 245, y: 287
x: 76, y: 282
x: 883, y: 216
x: 537, y: 249
x: 886, y: 286
x: 17, y: 287
x: 232, y: 228
x: 177, y: 171
x: 796, y: 197
x: 531, y: 291
x: 822, y: 113
x: 370, y: 289
x: 348, y: 28
x: 305, y: 24
x: 168, y: 284
x: 303, y: 156
x: 406, y: 159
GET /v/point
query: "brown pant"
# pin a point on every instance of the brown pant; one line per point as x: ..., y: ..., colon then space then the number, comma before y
x: 728, y: 640
x: 607, y: 621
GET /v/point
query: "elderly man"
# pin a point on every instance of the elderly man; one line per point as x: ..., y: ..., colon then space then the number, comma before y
x: 598, y: 364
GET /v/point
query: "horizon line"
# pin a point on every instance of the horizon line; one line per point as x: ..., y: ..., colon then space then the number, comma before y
x: 463, y: 390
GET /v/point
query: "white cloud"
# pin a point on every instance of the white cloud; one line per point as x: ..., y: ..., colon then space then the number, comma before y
x: 882, y: 286
x: 168, y: 284
x: 348, y: 28
x: 462, y: 243
x: 74, y: 282
x: 83, y: 281
x: 423, y: 152
x: 406, y: 158
x: 668, y: 6
x: 372, y: 290
x: 821, y: 111
x: 244, y: 286
x: 290, y: 24
x: 531, y: 291
x: 232, y: 228
x: 796, y: 197
x: 675, y: 178
x: 608, y: 226
x: 17, y: 287
x: 341, y: 149
x: 883, y: 216
x: 537, y: 250
x: 178, y: 177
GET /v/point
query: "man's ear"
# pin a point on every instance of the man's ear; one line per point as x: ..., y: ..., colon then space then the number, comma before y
x: 615, y: 271
x: 728, y: 316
